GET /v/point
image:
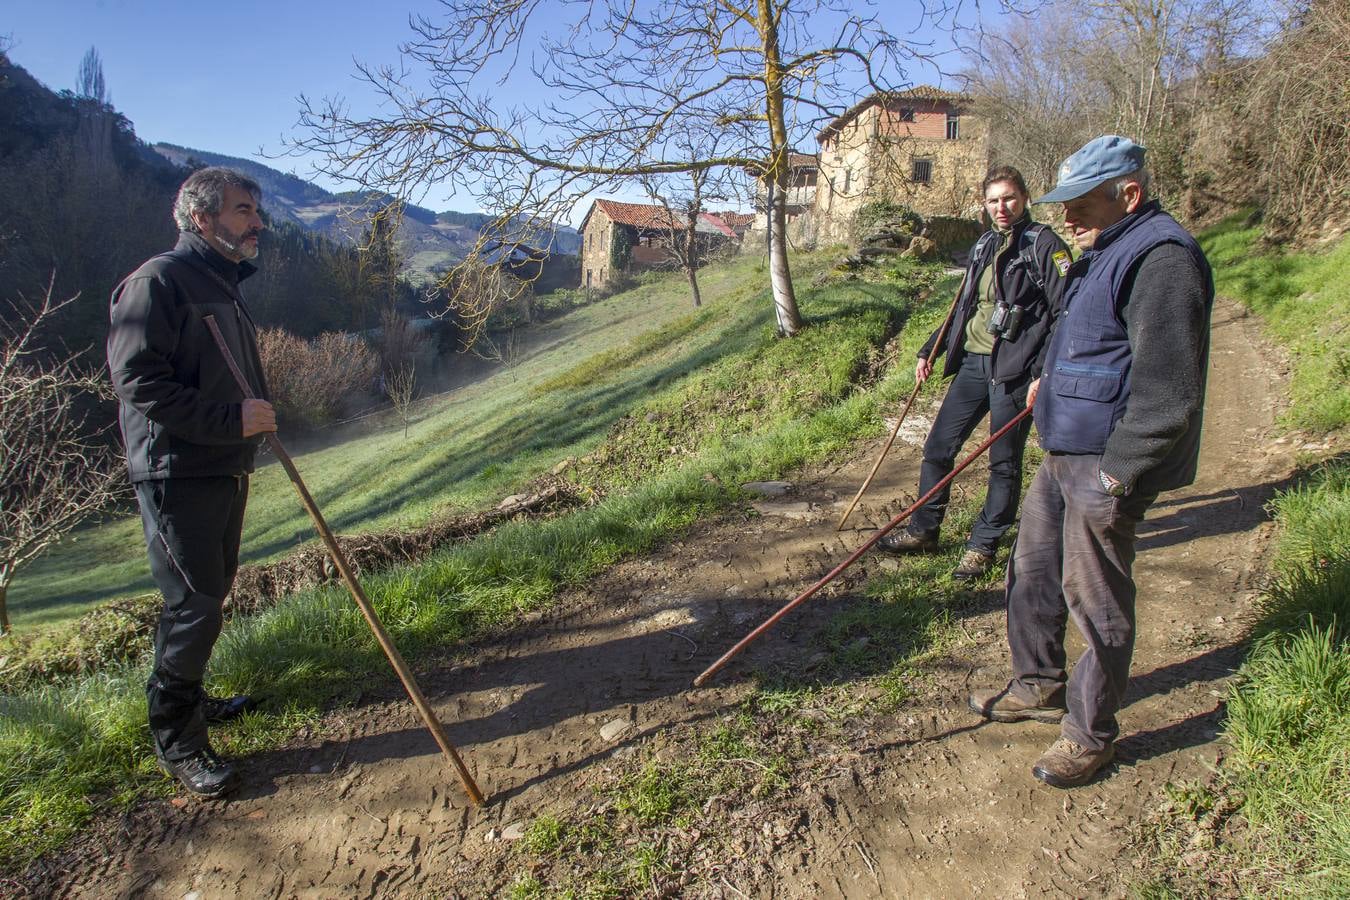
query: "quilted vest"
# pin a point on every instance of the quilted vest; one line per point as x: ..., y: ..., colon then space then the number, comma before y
x: 1085, y: 386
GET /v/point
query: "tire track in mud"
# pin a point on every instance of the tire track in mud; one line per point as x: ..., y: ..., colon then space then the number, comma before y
x: 930, y: 803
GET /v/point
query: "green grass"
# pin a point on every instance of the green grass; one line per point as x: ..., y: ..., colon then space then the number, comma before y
x: 1305, y: 302
x: 752, y: 407
x: 1275, y: 818
x: 464, y: 451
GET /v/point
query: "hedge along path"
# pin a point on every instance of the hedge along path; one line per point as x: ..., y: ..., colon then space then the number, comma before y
x: 117, y: 631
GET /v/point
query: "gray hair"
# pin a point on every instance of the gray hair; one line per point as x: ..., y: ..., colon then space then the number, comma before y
x: 1114, y: 186
x: 204, y: 191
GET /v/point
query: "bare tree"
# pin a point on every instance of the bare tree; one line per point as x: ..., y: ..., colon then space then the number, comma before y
x: 57, y: 473
x: 609, y: 98
x: 89, y: 83
x: 684, y: 197
x: 398, y: 343
x: 400, y: 386
x: 1086, y: 67
x: 1038, y: 104
x: 1294, y: 117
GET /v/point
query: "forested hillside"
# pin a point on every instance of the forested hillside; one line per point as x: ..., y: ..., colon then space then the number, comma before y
x: 83, y: 201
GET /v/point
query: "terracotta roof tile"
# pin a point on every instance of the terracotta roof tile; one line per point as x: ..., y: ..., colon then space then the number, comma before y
x: 639, y: 215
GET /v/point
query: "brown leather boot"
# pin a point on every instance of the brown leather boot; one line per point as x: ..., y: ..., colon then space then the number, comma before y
x: 1002, y: 705
x: 974, y: 564
x: 908, y: 542
x: 1068, y: 764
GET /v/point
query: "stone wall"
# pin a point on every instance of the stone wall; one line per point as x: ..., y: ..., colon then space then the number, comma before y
x: 595, y: 244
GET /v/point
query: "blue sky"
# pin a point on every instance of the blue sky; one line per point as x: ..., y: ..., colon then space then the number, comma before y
x: 225, y: 76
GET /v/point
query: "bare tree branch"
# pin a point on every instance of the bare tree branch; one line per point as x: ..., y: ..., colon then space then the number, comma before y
x: 57, y: 471
x: 607, y: 96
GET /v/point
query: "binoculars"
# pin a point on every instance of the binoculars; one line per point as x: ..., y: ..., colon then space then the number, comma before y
x: 1005, y: 321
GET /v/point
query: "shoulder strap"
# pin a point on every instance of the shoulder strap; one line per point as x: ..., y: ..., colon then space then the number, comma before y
x: 1027, y: 255
x: 982, y: 244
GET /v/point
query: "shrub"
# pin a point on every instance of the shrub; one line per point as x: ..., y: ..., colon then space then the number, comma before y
x: 311, y: 381
x: 897, y: 216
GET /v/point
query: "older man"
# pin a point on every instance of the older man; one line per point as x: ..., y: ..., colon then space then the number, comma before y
x: 1118, y: 410
x: 190, y: 437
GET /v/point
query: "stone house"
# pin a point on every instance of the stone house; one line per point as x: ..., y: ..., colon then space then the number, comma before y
x: 922, y: 147
x: 801, y: 197
x: 619, y: 237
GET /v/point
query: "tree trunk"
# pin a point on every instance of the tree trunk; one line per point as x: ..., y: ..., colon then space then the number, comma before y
x: 691, y: 259
x: 780, y: 277
x: 784, y: 299
x: 4, y: 609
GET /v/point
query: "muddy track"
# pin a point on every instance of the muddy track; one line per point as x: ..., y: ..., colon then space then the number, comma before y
x: 926, y: 802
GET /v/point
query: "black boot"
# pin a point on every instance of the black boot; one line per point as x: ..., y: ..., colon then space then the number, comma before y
x: 203, y: 773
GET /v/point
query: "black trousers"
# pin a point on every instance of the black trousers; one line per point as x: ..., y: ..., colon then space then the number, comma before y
x: 192, y: 530
x: 971, y: 395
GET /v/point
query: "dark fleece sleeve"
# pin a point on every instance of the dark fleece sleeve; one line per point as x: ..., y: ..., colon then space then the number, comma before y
x: 141, y: 343
x: 927, y: 347
x: 1166, y: 317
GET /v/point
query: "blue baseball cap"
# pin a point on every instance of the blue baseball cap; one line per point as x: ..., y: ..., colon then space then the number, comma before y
x: 1100, y: 159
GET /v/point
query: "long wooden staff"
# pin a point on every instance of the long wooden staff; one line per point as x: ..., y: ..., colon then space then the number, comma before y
x: 340, y: 561
x: 932, y: 354
x: 835, y: 572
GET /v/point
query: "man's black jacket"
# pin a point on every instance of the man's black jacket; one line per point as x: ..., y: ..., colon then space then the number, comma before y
x: 180, y: 409
x: 1023, y: 356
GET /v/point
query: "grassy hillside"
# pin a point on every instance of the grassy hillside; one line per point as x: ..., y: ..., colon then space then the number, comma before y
x: 465, y: 450
x: 708, y: 401
x: 1274, y: 819
x: 1305, y: 300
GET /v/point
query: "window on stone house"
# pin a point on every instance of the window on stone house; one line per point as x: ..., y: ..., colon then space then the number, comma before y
x: 907, y: 114
x: 953, y: 127
x: 922, y: 172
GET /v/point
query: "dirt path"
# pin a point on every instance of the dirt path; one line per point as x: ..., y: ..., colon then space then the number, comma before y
x: 928, y: 803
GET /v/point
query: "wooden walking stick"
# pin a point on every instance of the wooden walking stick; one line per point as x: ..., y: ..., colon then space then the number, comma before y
x: 932, y: 354
x: 344, y: 569
x: 835, y: 572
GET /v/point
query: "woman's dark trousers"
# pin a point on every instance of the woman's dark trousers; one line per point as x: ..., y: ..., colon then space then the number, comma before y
x: 971, y: 395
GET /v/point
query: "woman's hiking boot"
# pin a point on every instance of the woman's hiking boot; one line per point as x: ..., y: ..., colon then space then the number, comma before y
x: 974, y: 564
x: 203, y: 773
x: 223, y: 709
x: 908, y: 542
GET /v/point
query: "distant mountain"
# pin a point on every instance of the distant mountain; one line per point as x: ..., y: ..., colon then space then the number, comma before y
x: 431, y: 242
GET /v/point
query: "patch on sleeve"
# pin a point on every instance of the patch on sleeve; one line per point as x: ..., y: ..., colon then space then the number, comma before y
x: 1061, y: 260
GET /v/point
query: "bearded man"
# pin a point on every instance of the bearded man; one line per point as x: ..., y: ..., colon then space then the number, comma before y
x: 190, y: 438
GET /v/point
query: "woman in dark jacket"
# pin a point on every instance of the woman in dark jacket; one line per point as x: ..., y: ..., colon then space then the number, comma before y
x: 995, y: 346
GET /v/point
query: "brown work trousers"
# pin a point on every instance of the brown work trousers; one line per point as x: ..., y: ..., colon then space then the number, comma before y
x: 1073, y: 556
